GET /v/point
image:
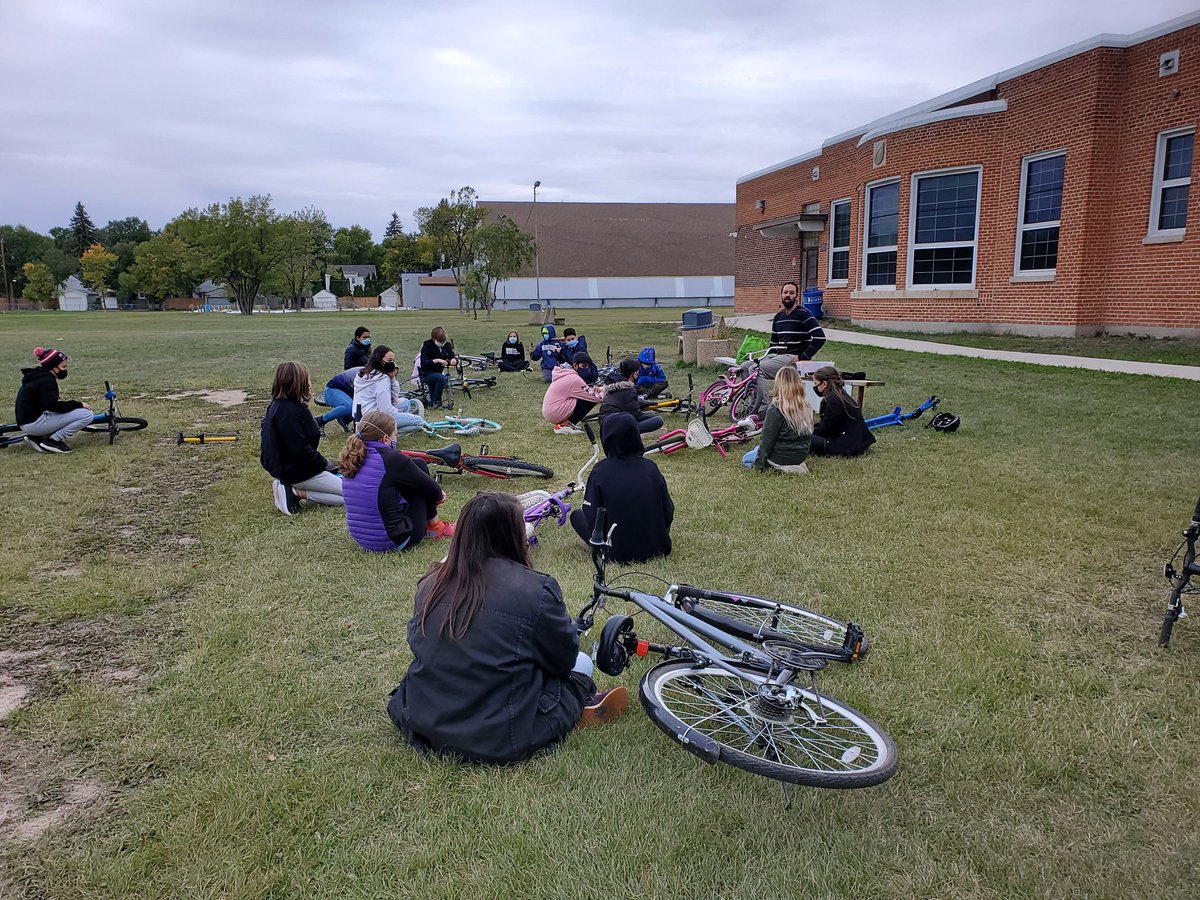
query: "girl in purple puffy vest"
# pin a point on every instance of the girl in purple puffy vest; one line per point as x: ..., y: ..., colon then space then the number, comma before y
x: 391, y: 500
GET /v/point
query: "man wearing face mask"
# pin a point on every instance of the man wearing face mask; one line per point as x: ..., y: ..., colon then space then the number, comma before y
x: 358, y: 351
x: 795, y: 329
x: 46, y: 420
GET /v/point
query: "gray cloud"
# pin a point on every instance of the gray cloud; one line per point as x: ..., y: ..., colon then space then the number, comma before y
x: 140, y: 107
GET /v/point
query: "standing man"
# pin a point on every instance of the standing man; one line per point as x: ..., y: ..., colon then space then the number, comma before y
x: 795, y: 329
x: 358, y: 351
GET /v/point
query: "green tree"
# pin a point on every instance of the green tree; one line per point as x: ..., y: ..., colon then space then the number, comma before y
x: 22, y: 245
x: 97, y: 264
x: 131, y: 230
x: 164, y: 266
x: 394, y: 228
x: 83, y: 231
x: 306, y: 241
x: 40, y: 284
x: 450, y: 227
x: 354, y: 246
x: 405, y: 253
x: 238, y: 244
x: 499, y: 250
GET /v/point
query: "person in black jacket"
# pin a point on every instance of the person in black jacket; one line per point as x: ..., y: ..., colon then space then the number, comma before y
x: 289, y: 445
x: 46, y: 420
x: 842, y: 430
x: 358, y: 351
x: 622, y: 396
x: 437, y: 358
x: 512, y: 354
x: 497, y: 674
x: 632, y: 490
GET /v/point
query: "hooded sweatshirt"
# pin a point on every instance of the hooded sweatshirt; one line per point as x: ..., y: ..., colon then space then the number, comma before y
x: 565, y: 388
x: 633, y: 493
x: 547, y: 348
x: 39, y: 394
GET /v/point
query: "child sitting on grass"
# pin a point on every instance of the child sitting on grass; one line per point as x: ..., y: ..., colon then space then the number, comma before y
x: 621, y: 396
x: 391, y: 500
x: 651, y: 380
x: 289, y: 445
x: 787, y: 428
x: 569, y: 398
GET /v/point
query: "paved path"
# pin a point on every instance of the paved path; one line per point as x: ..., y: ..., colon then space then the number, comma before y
x: 1125, y: 366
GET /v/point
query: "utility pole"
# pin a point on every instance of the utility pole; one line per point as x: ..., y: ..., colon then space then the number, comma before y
x: 537, y: 264
x: 8, y: 298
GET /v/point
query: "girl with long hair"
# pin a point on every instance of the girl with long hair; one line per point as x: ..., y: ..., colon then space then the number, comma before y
x: 391, y: 500
x: 376, y: 387
x: 497, y: 674
x: 842, y: 430
x: 787, y: 428
x: 289, y: 445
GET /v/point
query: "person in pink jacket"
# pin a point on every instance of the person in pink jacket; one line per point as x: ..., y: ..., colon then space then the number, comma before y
x: 569, y: 398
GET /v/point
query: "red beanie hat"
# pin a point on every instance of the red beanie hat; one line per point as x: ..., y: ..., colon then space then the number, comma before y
x: 48, y: 357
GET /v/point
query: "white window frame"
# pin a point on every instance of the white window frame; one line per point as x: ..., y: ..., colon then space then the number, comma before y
x: 830, y: 281
x: 912, y: 230
x: 1160, y: 184
x: 1018, y: 272
x: 866, y: 236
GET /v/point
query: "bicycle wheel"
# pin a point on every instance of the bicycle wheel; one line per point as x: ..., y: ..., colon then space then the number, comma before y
x: 715, y: 396
x: 504, y: 467
x: 720, y: 716
x: 758, y: 619
x: 120, y: 423
x: 747, y: 401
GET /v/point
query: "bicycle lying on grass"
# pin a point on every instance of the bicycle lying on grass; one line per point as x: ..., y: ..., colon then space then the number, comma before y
x: 541, y: 506
x: 1181, y: 578
x: 758, y: 707
x: 466, y: 426
x: 450, y: 460
x: 697, y: 436
x: 110, y: 421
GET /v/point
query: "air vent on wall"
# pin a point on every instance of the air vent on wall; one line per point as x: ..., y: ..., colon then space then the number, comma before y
x: 1168, y: 63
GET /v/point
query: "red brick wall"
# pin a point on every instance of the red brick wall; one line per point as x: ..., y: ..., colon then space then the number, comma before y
x: 1105, y: 108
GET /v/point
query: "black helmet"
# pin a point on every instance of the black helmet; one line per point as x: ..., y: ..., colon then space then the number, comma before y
x: 944, y: 421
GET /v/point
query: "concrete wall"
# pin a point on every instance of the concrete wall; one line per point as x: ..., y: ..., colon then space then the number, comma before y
x: 587, y: 293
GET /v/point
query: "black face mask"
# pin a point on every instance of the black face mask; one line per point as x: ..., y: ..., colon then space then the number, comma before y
x: 389, y: 367
x: 60, y: 375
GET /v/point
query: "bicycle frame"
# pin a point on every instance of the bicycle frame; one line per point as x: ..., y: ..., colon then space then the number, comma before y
x: 1180, y: 578
x: 737, y: 433
x: 546, y: 506
x: 896, y: 417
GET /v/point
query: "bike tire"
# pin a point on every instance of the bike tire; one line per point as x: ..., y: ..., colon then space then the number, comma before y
x: 9, y: 429
x: 746, y: 401
x: 504, y: 467
x: 120, y: 423
x: 779, y: 622
x: 711, y: 712
x: 715, y: 396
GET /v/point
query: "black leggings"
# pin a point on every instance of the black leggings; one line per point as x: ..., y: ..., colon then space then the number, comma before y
x: 582, y: 408
x: 506, y: 366
x: 652, y: 390
x: 418, y: 512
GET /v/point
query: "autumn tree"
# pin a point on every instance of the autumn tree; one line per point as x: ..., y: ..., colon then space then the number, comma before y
x: 499, y: 250
x: 306, y: 240
x: 96, y: 265
x: 40, y: 284
x: 83, y: 231
x: 164, y: 266
x: 405, y: 253
x: 450, y: 227
x: 239, y: 244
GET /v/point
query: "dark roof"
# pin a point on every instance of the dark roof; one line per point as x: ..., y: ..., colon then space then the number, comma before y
x: 598, y: 240
x: 365, y: 271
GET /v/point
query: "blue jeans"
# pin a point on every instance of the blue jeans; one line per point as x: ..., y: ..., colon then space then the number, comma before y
x: 436, y: 382
x: 749, y: 458
x: 342, y: 404
x: 407, y: 423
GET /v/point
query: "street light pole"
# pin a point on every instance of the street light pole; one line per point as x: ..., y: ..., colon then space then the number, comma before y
x: 537, y: 265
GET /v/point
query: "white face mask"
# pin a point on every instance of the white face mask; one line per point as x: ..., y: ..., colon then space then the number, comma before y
x: 440, y: 343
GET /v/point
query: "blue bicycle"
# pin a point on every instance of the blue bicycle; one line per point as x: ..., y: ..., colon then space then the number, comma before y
x: 110, y: 421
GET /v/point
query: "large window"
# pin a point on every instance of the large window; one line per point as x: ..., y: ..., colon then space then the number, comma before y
x: 1040, y: 213
x: 882, y: 223
x: 1172, y: 182
x: 944, y: 219
x: 839, y: 242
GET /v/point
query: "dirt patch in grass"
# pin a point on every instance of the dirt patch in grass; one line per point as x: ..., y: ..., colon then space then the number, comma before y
x: 223, y: 397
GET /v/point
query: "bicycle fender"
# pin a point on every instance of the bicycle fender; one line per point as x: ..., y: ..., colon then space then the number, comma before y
x: 700, y: 744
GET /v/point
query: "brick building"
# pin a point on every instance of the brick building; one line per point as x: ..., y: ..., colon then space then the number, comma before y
x: 1052, y: 198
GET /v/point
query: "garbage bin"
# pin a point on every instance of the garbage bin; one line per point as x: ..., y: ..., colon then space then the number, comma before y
x: 812, y: 300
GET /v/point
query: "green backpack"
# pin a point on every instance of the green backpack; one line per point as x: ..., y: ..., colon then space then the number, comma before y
x: 750, y: 344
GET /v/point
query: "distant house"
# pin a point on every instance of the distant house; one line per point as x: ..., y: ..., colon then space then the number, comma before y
x: 593, y: 255
x: 73, y: 296
x: 211, y: 293
x: 390, y: 299
x: 358, y: 276
x: 324, y: 299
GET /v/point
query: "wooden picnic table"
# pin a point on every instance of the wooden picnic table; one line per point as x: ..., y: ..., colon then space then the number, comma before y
x: 860, y: 386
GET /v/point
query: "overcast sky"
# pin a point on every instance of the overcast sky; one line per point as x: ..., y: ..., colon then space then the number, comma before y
x: 362, y: 107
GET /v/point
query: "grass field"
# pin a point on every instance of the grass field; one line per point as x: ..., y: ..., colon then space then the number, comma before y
x: 204, y: 679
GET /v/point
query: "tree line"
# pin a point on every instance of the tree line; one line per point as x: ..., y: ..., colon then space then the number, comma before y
x: 251, y: 248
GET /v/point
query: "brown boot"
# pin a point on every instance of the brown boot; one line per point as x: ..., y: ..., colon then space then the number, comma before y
x: 607, y: 706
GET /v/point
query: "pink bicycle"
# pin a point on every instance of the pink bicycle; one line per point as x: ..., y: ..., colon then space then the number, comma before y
x: 697, y: 436
x: 741, y: 388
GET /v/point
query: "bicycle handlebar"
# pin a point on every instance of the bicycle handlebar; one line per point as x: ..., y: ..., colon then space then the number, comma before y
x: 1196, y: 513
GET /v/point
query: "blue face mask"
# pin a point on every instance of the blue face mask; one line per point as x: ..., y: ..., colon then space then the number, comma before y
x: 572, y: 343
x: 512, y: 340
x: 366, y: 342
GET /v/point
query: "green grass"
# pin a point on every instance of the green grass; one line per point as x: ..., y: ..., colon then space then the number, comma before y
x: 1172, y: 351
x: 1006, y: 576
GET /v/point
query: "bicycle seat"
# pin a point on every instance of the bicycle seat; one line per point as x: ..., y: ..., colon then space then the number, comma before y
x: 450, y: 454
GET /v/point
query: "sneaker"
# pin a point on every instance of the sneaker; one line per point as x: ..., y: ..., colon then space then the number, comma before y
x: 566, y: 428
x: 665, y: 395
x: 286, y: 500
x: 607, y: 706
x: 320, y: 426
x: 55, y: 446
x: 439, y: 531
x: 35, y: 443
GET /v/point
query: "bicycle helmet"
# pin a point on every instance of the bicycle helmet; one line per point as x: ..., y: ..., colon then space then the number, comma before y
x: 646, y: 356
x: 944, y: 422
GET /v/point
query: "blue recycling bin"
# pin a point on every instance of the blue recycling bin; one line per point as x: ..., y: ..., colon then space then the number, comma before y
x: 813, y: 299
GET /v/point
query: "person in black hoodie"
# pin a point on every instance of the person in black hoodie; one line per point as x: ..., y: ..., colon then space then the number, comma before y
x: 634, y: 493
x: 497, y: 675
x: 842, y: 430
x: 289, y: 445
x: 46, y: 420
x: 358, y: 351
x: 512, y: 354
x: 622, y: 396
